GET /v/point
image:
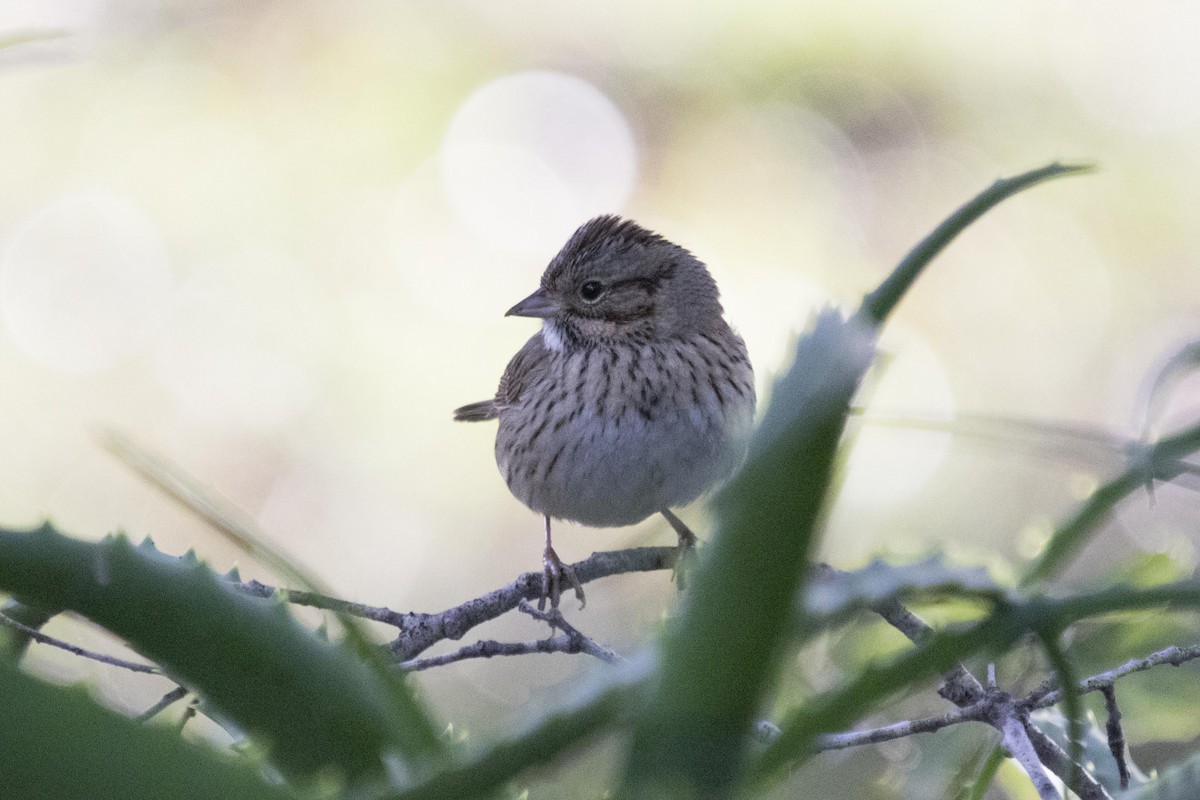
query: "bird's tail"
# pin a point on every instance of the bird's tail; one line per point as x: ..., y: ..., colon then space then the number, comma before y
x: 476, y: 412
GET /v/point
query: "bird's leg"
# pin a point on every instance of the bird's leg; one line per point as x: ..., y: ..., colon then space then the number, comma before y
x: 553, y: 570
x: 685, y: 552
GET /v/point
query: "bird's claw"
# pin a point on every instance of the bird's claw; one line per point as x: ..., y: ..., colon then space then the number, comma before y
x: 553, y: 570
x: 685, y: 559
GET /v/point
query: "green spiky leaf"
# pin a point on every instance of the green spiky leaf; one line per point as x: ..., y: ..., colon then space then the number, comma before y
x: 311, y: 704
x: 57, y: 742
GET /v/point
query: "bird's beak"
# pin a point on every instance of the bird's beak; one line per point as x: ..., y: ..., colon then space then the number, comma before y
x: 539, y: 304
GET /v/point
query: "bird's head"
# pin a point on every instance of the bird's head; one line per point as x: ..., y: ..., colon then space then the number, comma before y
x: 615, y: 281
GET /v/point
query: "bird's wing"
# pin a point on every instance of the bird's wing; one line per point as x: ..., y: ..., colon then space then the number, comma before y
x: 530, y: 363
x: 526, y: 368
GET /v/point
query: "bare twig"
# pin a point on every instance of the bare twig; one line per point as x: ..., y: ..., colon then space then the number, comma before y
x: 487, y: 648
x: 1057, y: 761
x: 765, y: 731
x: 168, y: 699
x: 572, y: 641
x: 555, y: 619
x: 959, y: 686
x: 976, y: 712
x: 188, y: 713
x: 420, y: 631
x: 1116, y: 736
x: 324, y: 602
x: 1006, y: 719
x: 1046, y: 695
x: 38, y: 636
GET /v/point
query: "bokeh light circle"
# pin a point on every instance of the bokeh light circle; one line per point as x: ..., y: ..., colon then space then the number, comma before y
x: 312, y: 505
x: 530, y: 156
x: 84, y: 283
x: 1135, y: 67
x: 888, y: 465
x: 222, y: 358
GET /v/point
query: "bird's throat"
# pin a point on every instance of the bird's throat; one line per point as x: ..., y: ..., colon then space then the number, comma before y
x: 552, y: 336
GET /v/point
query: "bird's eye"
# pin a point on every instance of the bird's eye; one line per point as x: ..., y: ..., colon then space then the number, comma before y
x: 591, y: 291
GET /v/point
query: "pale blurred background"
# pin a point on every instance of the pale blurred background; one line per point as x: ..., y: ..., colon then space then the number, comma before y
x: 274, y: 242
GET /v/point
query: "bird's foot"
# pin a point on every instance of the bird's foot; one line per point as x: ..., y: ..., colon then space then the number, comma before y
x: 553, y: 571
x: 685, y: 551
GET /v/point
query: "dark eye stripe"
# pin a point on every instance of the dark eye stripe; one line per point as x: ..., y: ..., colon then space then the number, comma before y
x: 650, y: 284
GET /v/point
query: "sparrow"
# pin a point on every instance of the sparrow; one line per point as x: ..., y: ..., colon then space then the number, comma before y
x: 635, y: 396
